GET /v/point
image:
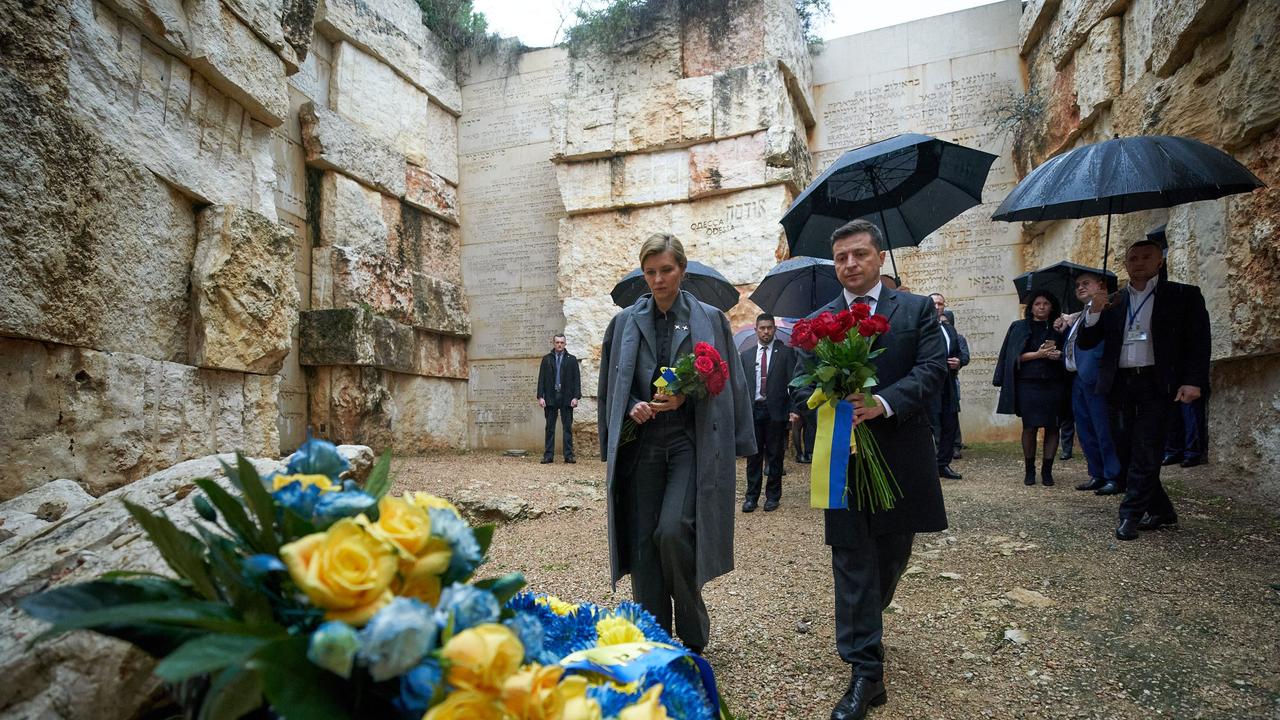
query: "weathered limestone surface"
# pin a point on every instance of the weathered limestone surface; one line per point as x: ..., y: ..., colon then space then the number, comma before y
x: 248, y: 70
x: 1099, y: 68
x: 107, y: 419
x: 82, y: 676
x: 1075, y: 19
x: 1243, y: 432
x: 1178, y: 27
x: 355, y: 336
x: 333, y: 143
x: 244, y: 303
x: 427, y: 191
x: 360, y: 89
x: 405, y: 413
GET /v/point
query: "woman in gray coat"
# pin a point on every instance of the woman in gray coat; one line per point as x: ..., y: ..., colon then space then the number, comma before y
x: 671, y: 489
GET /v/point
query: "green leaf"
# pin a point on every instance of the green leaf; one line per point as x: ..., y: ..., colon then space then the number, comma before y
x: 296, y: 687
x: 207, y: 654
x: 235, y: 692
x: 257, y: 499
x: 204, y: 509
x: 379, y: 481
x: 189, y: 614
x: 503, y: 588
x: 484, y: 536
x: 233, y: 512
x: 181, y: 550
x: 59, y: 603
x: 826, y: 372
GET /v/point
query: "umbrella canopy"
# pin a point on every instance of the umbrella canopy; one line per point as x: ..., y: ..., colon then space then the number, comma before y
x: 1059, y: 280
x: 1125, y: 175
x: 701, y: 281
x: 909, y: 185
x: 797, y: 287
x: 746, y: 337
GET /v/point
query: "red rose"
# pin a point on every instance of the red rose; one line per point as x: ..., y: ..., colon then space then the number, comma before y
x: 860, y: 311
x: 716, y: 380
x: 704, y: 365
x: 703, y: 349
x: 826, y: 326
x: 802, y: 336
x: 874, y: 325
x: 847, y: 321
x: 882, y: 324
x: 867, y: 328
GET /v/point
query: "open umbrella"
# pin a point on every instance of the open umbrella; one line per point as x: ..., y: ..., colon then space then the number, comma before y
x: 1059, y: 280
x: 1124, y: 175
x: 910, y: 185
x: 703, y: 282
x: 797, y: 287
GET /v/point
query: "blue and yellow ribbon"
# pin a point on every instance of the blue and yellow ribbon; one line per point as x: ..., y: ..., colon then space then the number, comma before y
x: 829, y: 476
x: 666, y: 381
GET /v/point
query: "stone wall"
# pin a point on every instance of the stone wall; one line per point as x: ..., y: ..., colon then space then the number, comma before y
x: 1208, y: 70
x: 946, y: 76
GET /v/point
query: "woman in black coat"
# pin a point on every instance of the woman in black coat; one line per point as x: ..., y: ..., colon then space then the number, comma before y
x: 1032, y: 381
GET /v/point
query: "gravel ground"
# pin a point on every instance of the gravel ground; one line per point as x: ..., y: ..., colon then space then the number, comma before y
x: 1182, y: 623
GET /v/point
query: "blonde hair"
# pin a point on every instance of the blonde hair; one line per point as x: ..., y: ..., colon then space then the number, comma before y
x: 659, y: 243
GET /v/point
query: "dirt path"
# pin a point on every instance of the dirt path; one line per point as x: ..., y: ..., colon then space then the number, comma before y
x: 1179, y: 624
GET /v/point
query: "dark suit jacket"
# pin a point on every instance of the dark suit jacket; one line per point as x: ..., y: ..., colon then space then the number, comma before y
x: 1179, y: 336
x: 782, y: 363
x: 910, y: 372
x: 949, y: 396
x: 570, y: 380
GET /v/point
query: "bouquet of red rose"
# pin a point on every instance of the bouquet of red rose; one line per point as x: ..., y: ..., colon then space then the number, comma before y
x: 697, y: 375
x: 841, y: 345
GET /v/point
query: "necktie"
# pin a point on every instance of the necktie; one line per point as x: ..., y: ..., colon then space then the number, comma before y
x: 864, y: 299
x: 558, y: 357
x: 764, y: 370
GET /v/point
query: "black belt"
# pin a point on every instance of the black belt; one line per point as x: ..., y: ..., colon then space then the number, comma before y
x: 1144, y: 370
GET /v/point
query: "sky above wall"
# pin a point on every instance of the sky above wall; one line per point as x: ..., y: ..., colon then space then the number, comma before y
x: 539, y: 23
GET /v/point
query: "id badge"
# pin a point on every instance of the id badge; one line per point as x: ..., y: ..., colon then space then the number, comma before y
x: 1135, y: 335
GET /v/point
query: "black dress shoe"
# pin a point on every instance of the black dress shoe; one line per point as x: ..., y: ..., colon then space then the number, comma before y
x: 749, y: 505
x: 805, y: 459
x: 570, y: 460
x: 771, y: 505
x: 1065, y: 456
x: 1155, y: 522
x: 956, y: 455
x: 946, y: 472
x: 547, y: 460
x: 863, y: 693
x: 1171, y: 459
x: 1128, y: 529
x: 1110, y: 487
x: 1194, y: 461
x: 1094, y: 483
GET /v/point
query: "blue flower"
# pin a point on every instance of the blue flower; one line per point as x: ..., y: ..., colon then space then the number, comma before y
x: 455, y: 531
x: 333, y: 506
x: 333, y: 647
x: 318, y: 457
x: 612, y: 700
x: 262, y: 564
x: 298, y: 498
x: 397, y: 638
x: 528, y: 628
x: 417, y: 689
x: 467, y: 606
x: 683, y: 694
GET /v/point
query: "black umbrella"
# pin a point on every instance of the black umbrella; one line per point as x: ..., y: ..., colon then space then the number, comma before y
x: 910, y: 185
x: 797, y: 287
x: 1122, y: 176
x: 746, y: 337
x: 701, y: 281
x: 1059, y: 280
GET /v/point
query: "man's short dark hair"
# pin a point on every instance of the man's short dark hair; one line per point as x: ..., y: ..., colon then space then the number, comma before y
x: 935, y: 294
x: 558, y: 335
x: 1144, y: 241
x: 857, y: 227
x: 764, y: 316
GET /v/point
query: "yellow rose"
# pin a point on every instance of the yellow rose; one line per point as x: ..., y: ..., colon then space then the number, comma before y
x: 403, y: 524
x: 482, y: 658
x: 425, y: 587
x: 533, y: 693
x: 345, y: 570
x: 426, y: 501
x: 557, y: 605
x: 617, y: 631
x: 466, y: 705
x: 321, y: 481
x: 648, y: 707
x: 577, y: 706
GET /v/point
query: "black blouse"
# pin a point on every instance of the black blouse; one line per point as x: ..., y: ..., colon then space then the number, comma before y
x: 1044, y: 368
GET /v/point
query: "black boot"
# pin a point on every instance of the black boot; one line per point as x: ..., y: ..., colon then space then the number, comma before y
x: 1030, y: 464
x: 1046, y: 471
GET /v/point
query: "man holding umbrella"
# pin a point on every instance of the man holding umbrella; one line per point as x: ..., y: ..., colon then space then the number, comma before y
x: 1156, y: 335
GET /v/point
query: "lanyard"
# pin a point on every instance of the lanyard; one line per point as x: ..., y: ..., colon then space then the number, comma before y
x: 1133, y: 313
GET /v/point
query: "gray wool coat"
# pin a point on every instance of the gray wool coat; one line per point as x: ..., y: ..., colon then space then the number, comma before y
x: 723, y: 425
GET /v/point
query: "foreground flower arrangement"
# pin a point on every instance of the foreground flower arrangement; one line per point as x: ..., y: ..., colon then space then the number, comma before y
x: 308, y: 596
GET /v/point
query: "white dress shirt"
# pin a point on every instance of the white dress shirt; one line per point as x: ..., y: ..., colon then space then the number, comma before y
x: 762, y: 352
x: 1135, y: 353
x: 1069, y: 352
x: 874, y: 295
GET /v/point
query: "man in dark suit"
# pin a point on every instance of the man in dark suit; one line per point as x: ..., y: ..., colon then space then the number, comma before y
x: 768, y: 366
x: 559, y: 390
x: 1157, y: 349
x: 869, y: 551
x: 945, y: 414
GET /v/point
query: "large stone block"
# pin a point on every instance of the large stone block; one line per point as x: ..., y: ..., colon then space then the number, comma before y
x: 1246, y: 396
x: 351, y: 215
x: 1177, y: 26
x: 427, y: 191
x: 427, y: 244
x: 1074, y: 20
x: 155, y: 109
x: 777, y: 155
x: 266, y: 19
x: 333, y: 143
x: 751, y: 98
x: 442, y: 143
x: 407, y: 414
x: 107, y: 419
x: 244, y: 300
x: 360, y: 90
x: 356, y: 336
x: 1034, y: 20
x: 1099, y: 68
x: 438, y: 74
x: 440, y: 305
x: 238, y: 63
x: 662, y: 117
x: 390, y: 30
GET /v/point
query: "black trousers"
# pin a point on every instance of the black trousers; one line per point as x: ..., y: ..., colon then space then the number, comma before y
x: 566, y: 422
x: 866, y: 577
x: 946, y: 426
x: 1139, y: 417
x: 660, y: 500
x: 771, y: 442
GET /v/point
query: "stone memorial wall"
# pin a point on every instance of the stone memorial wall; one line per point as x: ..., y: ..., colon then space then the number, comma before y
x: 946, y: 76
